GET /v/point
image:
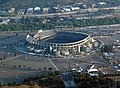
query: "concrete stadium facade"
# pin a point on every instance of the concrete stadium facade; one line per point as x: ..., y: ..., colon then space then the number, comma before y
x: 60, y: 42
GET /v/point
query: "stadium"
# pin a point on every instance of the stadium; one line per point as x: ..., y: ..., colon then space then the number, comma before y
x: 60, y: 42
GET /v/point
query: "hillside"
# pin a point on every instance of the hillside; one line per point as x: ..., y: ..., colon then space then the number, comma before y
x: 33, y: 3
x: 48, y: 3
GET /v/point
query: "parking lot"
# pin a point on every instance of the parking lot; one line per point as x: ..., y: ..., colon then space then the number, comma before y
x: 8, y: 75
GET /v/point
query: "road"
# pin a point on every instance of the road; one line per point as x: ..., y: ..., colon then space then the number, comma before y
x: 39, y: 15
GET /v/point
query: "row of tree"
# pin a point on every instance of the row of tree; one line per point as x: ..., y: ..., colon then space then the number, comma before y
x: 50, y: 23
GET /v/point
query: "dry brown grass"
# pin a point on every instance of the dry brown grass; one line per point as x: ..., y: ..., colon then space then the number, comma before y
x: 22, y: 86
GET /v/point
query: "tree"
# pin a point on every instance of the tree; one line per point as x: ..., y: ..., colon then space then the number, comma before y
x: 19, y: 66
x: 45, y: 68
x: 50, y: 68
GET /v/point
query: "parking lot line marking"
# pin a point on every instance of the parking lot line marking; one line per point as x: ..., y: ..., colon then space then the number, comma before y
x: 53, y: 64
x: 10, y: 58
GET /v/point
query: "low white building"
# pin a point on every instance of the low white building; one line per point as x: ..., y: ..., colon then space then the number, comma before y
x: 11, y: 10
x: 66, y: 9
x: 102, y: 3
x: 75, y: 8
x: 37, y: 8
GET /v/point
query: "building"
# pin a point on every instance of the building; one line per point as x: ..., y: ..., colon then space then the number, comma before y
x: 60, y: 42
x: 21, y: 12
x: 11, y: 10
x: 75, y: 8
x: 37, y: 10
x: 45, y: 10
x: 67, y: 9
x: 29, y: 11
